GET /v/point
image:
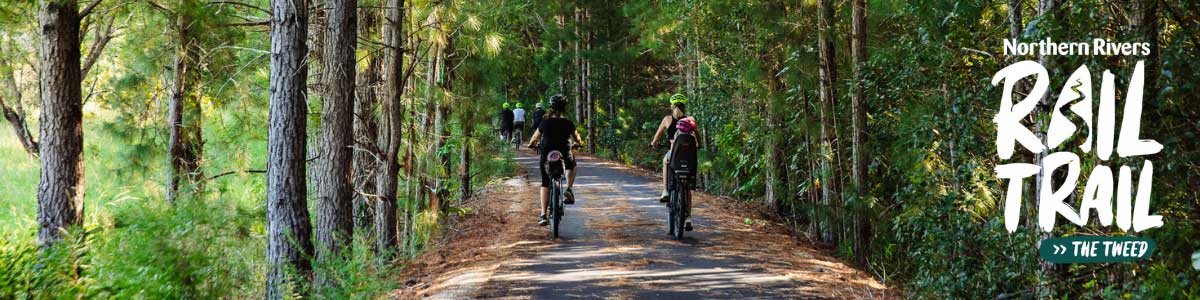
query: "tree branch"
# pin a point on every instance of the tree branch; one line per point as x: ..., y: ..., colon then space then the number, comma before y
x: 245, y: 24
x: 103, y: 36
x: 247, y: 5
x: 235, y: 172
x: 88, y: 10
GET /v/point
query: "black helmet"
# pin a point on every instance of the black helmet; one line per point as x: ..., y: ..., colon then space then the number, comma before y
x: 558, y: 102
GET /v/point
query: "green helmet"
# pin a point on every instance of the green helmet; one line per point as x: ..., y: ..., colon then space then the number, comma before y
x: 518, y: 104
x: 678, y: 99
x: 505, y: 105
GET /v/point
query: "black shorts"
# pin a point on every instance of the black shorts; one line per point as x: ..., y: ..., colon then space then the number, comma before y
x: 568, y: 162
x: 519, y: 125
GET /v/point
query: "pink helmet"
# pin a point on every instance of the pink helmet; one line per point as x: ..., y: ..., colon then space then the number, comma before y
x: 687, y: 125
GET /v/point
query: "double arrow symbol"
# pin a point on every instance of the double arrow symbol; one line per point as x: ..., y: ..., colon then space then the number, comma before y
x: 1059, y: 249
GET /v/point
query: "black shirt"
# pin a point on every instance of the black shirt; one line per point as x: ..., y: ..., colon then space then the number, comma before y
x: 556, y: 134
x: 672, y: 129
x: 506, y: 118
x: 537, y: 117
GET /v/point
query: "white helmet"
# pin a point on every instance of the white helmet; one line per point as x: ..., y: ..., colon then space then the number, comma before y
x: 538, y: 105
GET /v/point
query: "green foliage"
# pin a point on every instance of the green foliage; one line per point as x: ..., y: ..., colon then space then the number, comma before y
x: 749, y: 68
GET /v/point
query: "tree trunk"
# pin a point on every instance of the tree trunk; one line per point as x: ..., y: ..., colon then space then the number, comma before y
x: 859, y: 124
x: 185, y: 142
x: 60, y: 189
x: 775, y: 185
x: 15, y: 114
x: 578, y: 72
x: 1046, y: 11
x: 390, y: 129
x: 464, y: 169
x: 335, y: 224
x: 587, y: 87
x: 828, y: 77
x: 289, y: 244
x: 366, y: 128
x: 1144, y: 25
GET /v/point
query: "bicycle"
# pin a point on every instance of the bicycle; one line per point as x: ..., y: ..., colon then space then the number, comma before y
x: 517, y: 134
x: 681, y: 178
x: 555, y: 167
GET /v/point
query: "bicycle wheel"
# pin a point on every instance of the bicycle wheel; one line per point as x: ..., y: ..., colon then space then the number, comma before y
x: 555, y: 210
x: 677, y: 217
x: 517, y: 140
x: 671, y: 215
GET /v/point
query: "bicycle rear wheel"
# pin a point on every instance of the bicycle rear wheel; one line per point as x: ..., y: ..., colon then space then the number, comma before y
x: 671, y: 216
x: 555, y: 209
x: 677, y: 217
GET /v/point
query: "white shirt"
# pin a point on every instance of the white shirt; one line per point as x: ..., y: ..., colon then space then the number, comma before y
x: 519, y: 115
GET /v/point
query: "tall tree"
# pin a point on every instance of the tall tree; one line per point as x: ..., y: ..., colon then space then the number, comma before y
x: 184, y: 115
x: 827, y: 78
x: 1144, y: 25
x: 390, y: 127
x: 60, y: 189
x: 858, y: 49
x: 289, y: 229
x: 366, y: 128
x: 1047, y: 13
x: 335, y: 224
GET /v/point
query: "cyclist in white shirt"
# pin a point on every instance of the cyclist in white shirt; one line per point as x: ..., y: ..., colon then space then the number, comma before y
x: 519, y: 119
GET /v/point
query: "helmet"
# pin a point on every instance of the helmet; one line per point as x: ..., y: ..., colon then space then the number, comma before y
x: 505, y: 105
x: 538, y: 105
x: 558, y: 102
x: 686, y: 125
x: 518, y: 104
x: 678, y: 99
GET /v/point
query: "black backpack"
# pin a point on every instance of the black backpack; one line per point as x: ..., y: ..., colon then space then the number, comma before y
x: 683, y: 155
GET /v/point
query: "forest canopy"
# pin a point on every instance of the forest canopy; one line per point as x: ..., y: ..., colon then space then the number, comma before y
x: 172, y: 149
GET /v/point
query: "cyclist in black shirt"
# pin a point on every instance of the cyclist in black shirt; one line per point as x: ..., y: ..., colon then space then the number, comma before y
x: 538, y: 115
x: 668, y: 127
x: 556, y: 133
x: 506, y: 123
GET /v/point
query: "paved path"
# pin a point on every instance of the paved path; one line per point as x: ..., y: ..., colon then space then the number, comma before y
x: 614, y: 245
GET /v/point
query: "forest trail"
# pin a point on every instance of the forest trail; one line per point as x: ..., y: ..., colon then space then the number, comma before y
x: 614, y: 245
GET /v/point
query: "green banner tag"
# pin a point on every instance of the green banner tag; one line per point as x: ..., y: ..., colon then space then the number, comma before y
x: 1095, y: 249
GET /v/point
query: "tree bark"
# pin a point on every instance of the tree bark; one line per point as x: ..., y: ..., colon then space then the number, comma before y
x: 1046, y: 11
x: 60, y: 188
x: 185, y: 144
x: 390, y: 130
x: 587, y: 86
x: 1144, y: 25
x: 464, y: 169
x: 828, y: 77
x: 335, y: 224
x: 289, y: 231
x: 366, y: 128
x: 858, y: 47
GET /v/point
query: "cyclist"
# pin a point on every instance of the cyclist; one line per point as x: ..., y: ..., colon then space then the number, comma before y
x: 685, y: 126
x: 669, y: 126
x: 519, y: 120
x: 506, y: 122
x: 556, y: 132
x: 537, y: 115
